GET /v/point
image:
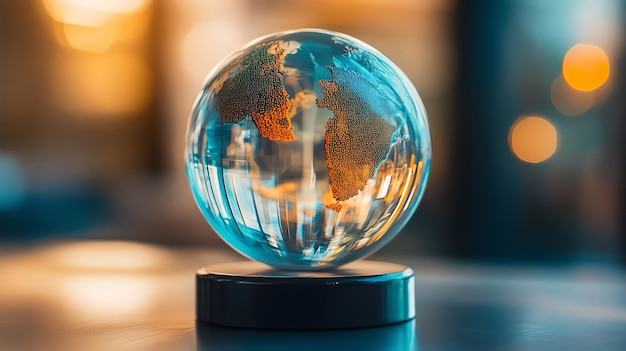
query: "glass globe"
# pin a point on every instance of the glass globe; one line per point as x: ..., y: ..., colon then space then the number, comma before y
x: 307, y: 149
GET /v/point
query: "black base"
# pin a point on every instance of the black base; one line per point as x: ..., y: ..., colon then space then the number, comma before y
x: 251, y: 295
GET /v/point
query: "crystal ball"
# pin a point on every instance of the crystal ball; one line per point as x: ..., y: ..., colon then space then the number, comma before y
x: 307, y: 149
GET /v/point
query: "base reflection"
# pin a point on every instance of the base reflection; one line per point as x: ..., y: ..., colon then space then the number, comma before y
x: 397, y: 337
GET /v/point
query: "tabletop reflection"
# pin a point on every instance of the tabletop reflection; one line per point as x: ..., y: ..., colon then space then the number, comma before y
x: 396, y: 337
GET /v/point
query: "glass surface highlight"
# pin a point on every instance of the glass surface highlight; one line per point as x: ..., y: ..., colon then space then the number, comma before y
x: 307, y: 149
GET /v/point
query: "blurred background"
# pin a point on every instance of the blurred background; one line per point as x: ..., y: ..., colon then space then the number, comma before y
x: 525, y: 211
x: 525, y: 100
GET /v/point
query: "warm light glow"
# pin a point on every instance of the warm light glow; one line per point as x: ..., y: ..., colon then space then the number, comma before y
x: 103, y: 281
x: 105, y: 85
x: 90, y: 12
x: 60, y: 11
x: 533, y: 139
x: 108, y: 280
x: 99, y: 39
x: 586, y: 67
x: 109, y: 256
x: 91, y: 39
x: 205, y: 44
x: 132, y: 29
x: 107, y: 296
x: 569, y: 101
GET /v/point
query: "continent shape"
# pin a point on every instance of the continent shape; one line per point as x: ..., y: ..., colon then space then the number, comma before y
x: 357, y: 139
x: 256, y: 89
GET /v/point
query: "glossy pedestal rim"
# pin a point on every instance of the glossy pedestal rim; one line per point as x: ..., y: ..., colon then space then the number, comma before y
x: 249, y: 294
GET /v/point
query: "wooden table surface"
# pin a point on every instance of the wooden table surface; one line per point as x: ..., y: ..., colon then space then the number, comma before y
x: 128, y: 296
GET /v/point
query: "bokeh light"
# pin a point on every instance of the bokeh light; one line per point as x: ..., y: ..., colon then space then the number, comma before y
x: 95, y: 26
x: 569, y: 101
x: 90, y: 12
x: 87, y: 38
x: 586, y: 67
x: 533, y: 139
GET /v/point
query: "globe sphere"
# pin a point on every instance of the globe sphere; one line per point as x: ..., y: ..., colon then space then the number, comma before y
x: 307, y: 149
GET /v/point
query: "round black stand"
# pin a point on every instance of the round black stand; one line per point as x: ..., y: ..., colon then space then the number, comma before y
x: 252, y: 295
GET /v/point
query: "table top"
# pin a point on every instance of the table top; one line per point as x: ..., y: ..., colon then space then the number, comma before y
x: 130, y: 296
